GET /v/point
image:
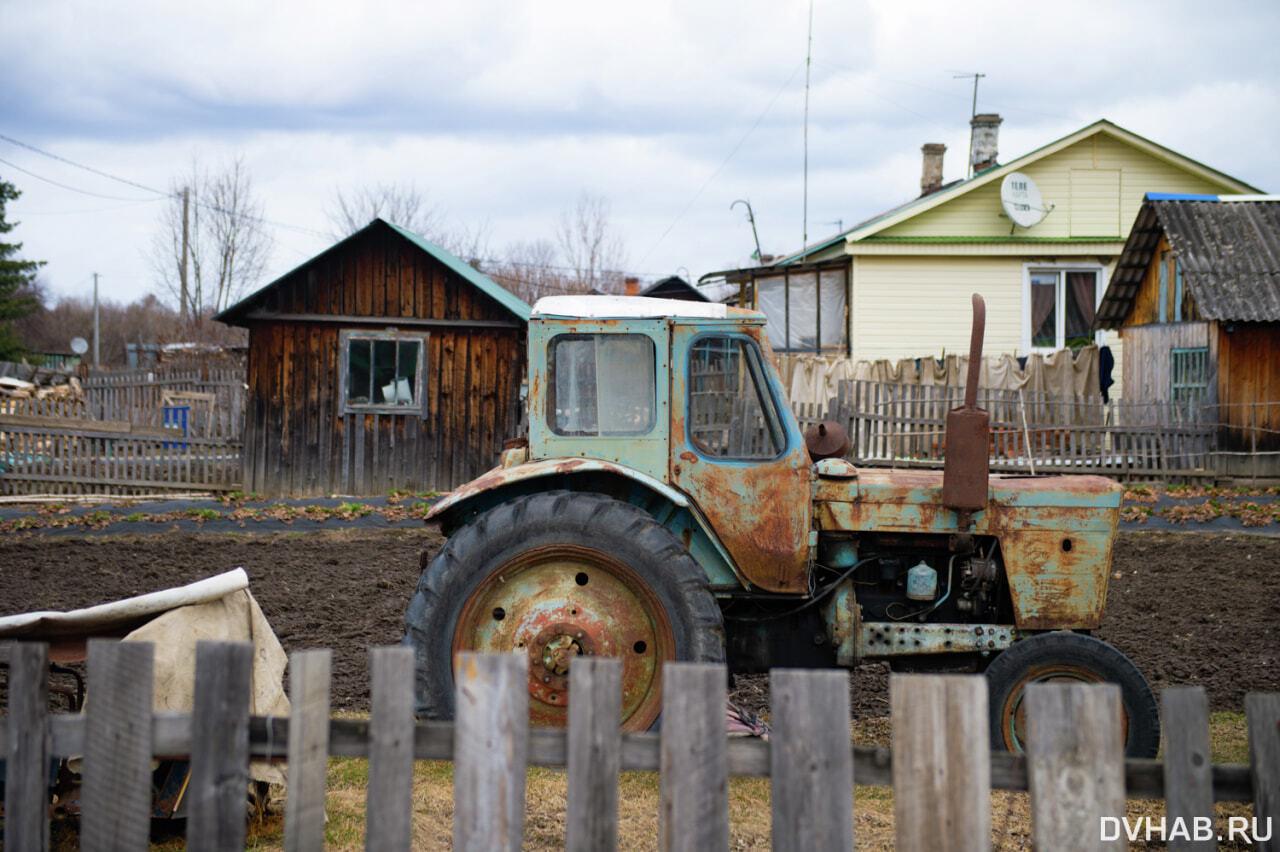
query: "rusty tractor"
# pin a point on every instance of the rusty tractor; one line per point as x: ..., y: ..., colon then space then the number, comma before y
x: 664, y: 505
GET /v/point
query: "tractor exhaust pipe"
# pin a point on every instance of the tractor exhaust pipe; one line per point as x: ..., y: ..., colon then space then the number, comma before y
x: 968, y: 438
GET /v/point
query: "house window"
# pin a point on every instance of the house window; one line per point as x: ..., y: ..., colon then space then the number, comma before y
x: 806, y: 310
x: 602, y: 384
x: 382, y: 371
x: 1061, y: 307
x: 730, y: 411
x: 1189, y: 382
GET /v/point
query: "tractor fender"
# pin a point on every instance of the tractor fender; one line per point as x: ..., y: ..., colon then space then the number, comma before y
x: 669, y: 506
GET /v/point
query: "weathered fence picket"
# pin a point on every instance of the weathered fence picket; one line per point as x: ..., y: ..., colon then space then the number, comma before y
x: 491, y: 752
x: 595, y: 755
x: 116, y: 792
x: 219, y: 747
x: 810, y: 761
x: 1188, y: 769
x: 308, y: 749
x: 26, y: 824
x: 940, y: 768
x: 1075, y: 764
x: 389, y: 804
x: 693, y: 807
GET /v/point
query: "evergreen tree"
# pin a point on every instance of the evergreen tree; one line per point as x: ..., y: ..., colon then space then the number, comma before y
x: 17, y: 282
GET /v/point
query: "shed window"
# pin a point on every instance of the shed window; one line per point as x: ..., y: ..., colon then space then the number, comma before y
x: 383, y: 370
x: 1189, y: 382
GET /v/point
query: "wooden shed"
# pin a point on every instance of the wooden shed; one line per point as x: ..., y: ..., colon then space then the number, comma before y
x: 1196, y: 297
x: 382, y: 363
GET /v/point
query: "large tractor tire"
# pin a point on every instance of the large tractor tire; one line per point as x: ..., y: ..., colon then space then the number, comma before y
x: 1061, y: 657
x: 554, y: 576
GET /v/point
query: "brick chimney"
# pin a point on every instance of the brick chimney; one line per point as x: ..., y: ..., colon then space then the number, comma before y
x: 931, y: 173
x: 985, y: 128
x: 631, y: 286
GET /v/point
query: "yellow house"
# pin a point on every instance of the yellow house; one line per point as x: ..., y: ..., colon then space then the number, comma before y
x: 898, y: 285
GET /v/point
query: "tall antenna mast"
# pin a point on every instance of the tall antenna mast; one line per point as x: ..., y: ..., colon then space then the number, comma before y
x: 808, y: 62
x: 972, y: 115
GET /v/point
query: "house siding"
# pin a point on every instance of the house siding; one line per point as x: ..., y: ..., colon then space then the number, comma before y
x: 917, y: 306
x: 1093, y: 162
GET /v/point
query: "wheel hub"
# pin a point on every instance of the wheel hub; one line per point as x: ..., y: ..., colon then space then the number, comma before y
x: 557, y: 653
x: 558, y: 602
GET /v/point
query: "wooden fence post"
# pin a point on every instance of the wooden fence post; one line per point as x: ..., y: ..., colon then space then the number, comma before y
x: 116, y: 793
x: 1263, y: 715
x: 693, y: 807
x: 219, y: 782
x: 491, y: 751
x: 308, y: 749
x: 1075, y: 765
x: 595, y: 753
x: 811, y: 761
x: 941, y: 762
x: 1188, y: 765
x: 389, y: 801
x: 26, y: 775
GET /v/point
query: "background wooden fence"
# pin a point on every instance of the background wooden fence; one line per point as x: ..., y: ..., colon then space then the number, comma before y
x: 940, y: 768
x: 131, y: 432
x: 1033, y: 432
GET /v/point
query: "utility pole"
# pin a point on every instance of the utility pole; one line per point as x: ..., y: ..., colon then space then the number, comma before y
x: 97, y: 362
x: 182, y: 269
x: 972, y: 115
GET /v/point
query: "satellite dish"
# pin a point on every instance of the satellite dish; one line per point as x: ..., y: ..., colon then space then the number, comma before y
x: 1021, y: 200
x: 79, y: 345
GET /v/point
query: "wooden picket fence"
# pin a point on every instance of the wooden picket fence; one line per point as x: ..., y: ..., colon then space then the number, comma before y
x: 904, y: 425
x: 131, y: 432
x: 940, y: 768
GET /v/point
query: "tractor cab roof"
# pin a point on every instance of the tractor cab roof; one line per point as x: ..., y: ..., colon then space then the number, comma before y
x: 634, y: 307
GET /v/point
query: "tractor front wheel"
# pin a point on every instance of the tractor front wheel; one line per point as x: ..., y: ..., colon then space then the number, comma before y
x: 1062, y: 657
x: 554, y: 576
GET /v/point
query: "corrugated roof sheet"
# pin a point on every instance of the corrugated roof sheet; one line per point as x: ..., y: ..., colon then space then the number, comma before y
x: 1229, y: 251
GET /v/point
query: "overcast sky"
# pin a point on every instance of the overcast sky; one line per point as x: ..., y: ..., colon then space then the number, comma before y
x: 503, y: 113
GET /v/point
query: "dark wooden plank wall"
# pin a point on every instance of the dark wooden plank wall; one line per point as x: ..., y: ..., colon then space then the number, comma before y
x: 298, y: 441
x: 1249, y: 376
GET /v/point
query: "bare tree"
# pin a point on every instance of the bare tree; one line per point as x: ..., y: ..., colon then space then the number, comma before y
x: 212, y: 246
x: 529, y: 271
x: 592, y: 251
x: 398, y: 203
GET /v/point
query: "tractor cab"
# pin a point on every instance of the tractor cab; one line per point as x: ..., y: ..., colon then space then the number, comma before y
x: 685, y: 393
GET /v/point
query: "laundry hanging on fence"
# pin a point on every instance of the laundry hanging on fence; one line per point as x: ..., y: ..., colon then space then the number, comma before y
x: 815, y: 379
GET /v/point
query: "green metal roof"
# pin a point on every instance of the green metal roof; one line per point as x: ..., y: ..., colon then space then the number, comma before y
x: 487, y: 285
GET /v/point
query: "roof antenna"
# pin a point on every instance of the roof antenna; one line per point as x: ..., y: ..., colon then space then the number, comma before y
x: 808, y: 63
x: 974, y: 114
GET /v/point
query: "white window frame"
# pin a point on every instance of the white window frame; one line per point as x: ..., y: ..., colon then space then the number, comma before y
x: 1060, y: 313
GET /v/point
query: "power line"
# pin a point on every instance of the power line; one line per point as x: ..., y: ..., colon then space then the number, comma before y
x: 720, y: 168
x: 99, y: 172
x: 75, y: 189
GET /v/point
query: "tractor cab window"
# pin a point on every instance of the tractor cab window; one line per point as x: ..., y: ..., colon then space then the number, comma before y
x: 731, y: 414
x: 601, y: 384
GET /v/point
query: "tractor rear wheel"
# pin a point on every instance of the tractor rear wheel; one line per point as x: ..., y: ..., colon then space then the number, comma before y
x: 1063, y: 656
x: 554, y: 576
